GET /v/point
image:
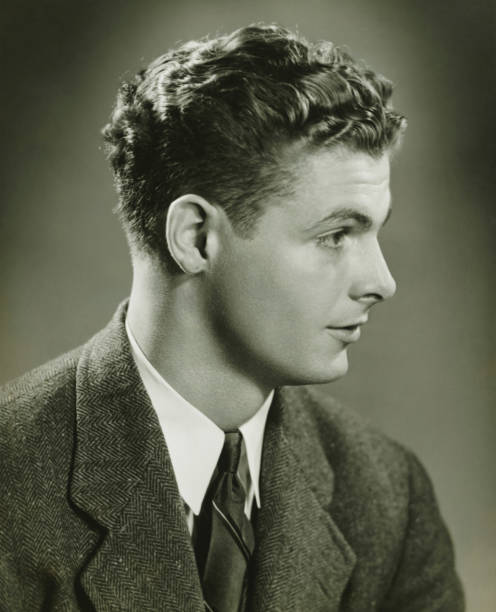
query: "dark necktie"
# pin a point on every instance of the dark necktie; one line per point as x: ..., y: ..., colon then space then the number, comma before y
x: 224, y: 539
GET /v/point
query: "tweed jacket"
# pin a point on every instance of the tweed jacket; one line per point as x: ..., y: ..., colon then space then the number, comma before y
x: 91, y: 517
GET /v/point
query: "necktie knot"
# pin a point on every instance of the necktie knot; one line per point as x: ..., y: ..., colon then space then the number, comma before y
x: 231, y: 452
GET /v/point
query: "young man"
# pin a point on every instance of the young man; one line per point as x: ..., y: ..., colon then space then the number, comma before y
x: 175, y: 462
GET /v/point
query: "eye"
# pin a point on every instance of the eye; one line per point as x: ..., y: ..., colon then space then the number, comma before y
x: 335, y: 239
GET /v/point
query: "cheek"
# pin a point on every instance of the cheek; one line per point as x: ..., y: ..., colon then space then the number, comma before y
x: 272, y: 312
x: 275, y: 291
x: 248, y: 290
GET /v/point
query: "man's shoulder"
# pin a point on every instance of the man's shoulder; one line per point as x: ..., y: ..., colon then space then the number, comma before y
x: 38, y: 398
x: 41, y: 382
x: 336, y: 425
x: 381, y: 498
x: 357, y: 451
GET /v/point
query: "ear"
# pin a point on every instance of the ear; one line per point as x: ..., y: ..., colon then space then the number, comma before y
x: 190, y: 218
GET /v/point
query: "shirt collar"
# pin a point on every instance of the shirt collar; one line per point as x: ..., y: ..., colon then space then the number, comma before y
x: 194, y: 441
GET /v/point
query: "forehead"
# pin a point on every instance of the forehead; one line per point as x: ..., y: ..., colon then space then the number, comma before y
x: 326, y: 180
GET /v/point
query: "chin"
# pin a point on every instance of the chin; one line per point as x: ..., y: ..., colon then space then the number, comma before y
x: 336, y: 369
x: 325, y: 371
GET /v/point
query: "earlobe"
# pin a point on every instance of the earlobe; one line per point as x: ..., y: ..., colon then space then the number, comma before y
x: 186, y: 231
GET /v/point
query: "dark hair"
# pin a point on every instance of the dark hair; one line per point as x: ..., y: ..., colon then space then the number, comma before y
x: 213, y: 117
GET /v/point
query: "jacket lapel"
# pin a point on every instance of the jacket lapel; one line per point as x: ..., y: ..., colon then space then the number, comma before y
x: 302, y: 561
x: 139, y: 554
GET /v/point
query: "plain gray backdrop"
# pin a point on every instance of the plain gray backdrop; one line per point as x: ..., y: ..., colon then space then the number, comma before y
x: 424, y: 369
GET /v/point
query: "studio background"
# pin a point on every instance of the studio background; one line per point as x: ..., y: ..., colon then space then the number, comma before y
x: 424, y: 368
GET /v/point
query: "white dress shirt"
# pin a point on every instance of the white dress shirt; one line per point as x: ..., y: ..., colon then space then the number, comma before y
x: 195, y: 442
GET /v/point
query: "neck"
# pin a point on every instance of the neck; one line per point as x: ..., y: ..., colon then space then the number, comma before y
x: 167, y: 319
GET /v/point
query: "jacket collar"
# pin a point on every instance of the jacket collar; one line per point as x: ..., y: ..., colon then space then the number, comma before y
x: 123, y: 484
x: 302, y: 560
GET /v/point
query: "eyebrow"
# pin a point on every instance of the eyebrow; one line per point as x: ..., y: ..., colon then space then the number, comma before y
x: 347, y: 214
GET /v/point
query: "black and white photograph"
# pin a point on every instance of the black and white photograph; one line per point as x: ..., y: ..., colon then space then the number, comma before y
x: 247, y: 329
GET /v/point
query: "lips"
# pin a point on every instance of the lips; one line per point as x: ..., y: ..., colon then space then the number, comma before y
x: 350, y: 333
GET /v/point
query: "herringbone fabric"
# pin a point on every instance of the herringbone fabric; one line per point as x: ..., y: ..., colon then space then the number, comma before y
x: 91, y: 518
x: 228, y: 539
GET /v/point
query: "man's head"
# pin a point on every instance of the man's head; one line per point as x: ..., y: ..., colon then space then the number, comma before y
x: 257, y: 164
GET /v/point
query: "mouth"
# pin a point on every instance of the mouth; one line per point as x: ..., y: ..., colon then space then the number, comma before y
x: 347, y: 333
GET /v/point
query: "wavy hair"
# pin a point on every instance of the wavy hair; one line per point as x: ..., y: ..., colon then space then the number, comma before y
x: 214, y: 117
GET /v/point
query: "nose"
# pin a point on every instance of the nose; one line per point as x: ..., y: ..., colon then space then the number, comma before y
x: 374, y: 282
